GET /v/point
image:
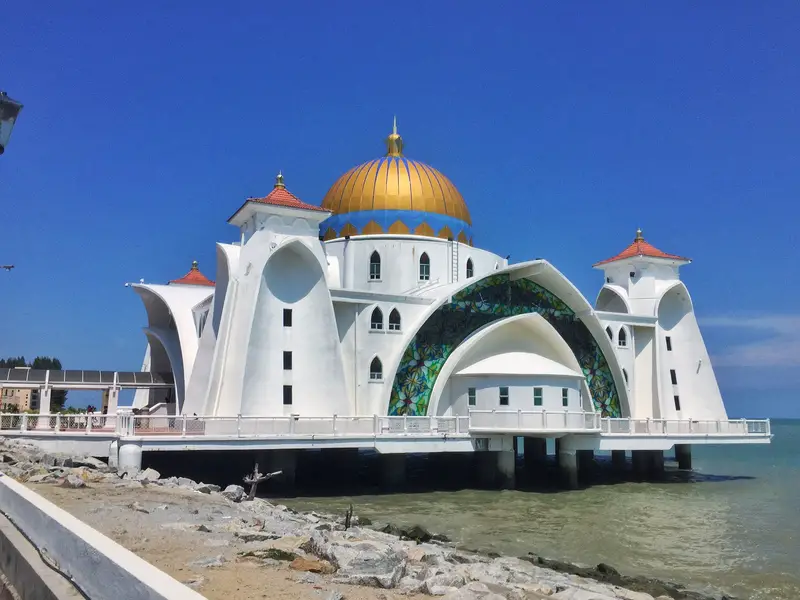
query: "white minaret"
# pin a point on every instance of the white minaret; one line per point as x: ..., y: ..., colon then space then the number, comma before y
x: 650, y: 318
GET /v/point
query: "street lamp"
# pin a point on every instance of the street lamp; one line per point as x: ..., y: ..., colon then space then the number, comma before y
x: 9, y: 109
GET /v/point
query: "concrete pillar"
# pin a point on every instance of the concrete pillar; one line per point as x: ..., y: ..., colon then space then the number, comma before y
x: 393, y: 471
x: 585, y: 460
x: 43, y: 422
x: 535, y: 452
x: 506, y: 469
x: 130, y: 458
x: 113, y: 454
x: 641, y: 463
x: 285, y: 461
x: 683, y: 454
x: 618, y: 459
x: 113, y: 401
x: 656, y: 463
x: 568, y: 465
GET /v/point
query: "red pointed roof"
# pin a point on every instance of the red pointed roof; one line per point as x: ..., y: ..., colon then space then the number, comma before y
x: 640, y: 247
x: 280, y: 196
x: 193, y: 277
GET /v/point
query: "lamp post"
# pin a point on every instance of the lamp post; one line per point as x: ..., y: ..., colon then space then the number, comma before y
x: 9, y: 110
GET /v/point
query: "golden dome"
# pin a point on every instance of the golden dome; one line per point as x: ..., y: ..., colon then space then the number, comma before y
x: 394, y: 194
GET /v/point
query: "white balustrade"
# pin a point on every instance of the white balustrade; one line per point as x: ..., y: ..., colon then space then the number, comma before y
x: 479, y: 421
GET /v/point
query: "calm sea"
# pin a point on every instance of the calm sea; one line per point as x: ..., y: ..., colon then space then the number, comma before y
x: 733, y: 526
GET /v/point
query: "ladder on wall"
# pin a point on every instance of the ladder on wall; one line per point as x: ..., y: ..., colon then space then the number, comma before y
x: 454, y: 260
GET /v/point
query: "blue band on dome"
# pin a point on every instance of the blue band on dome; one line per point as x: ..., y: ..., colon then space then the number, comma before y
x: 385, y: 218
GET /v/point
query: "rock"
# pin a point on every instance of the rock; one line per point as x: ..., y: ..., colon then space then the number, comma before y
x: 234, y: 493
x: 43, y: 478
x: 194, y: 583
x: 203, y: 529
x: 205, y: 563
x: 255, y: 536
x: 49, y: 460
x: 631, y: 595
x: 310, y: 578
x: 440, y: 590
x: 147, y: 475
x: 580, y: 594
x: 186, y: 482
x: 138, y: 508
x: 269, y: 553
x: 90, y: 462
x: 444, y: 580
x: 311, y: 565
x: 410, y: 585
x: 334, y: 595
x: 8, y: 459
x: 206, y: 488
x: 73, y: 482
x: 415, y: 532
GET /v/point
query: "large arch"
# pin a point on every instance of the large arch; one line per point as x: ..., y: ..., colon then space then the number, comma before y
x: 612, y: 299
x: 165, y: 357
x: 495, y: 297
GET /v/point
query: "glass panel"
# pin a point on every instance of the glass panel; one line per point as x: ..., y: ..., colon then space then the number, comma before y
x: 126, y: 377
x: 73, y: 376
x: 37, y: 374
x: 91, y: 376
x: 4, y: 374
x: 143, y: 377
x: 537, y: 396
x: 18, y: 375
x: 57, y: 376
x: 107, y: 376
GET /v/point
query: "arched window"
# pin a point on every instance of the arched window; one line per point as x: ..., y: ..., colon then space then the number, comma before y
x: 610, y: 334
x: 375, y: 266
x: 376, y: 321
x: 376, y: 369
x: 622, y: 338
x: 625, y: 375
x: 424, y: 267
x: 470, y: 271
x: 394, y: 320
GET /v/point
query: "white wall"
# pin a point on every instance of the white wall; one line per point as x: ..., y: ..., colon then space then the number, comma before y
x: 400, y: 256
x: 520, y: 390
x: 697, y: 386
x: 643, y: 374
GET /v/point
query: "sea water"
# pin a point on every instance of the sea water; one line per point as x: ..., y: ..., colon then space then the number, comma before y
x: 733, y: 525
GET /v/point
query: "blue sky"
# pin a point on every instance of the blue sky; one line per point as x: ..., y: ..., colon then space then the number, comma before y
x: 565, y: 125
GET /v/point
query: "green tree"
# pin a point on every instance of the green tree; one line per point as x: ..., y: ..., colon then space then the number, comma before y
x: 58, y: 398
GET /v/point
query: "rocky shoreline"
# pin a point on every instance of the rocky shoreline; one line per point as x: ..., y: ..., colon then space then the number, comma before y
x: 219, y: 530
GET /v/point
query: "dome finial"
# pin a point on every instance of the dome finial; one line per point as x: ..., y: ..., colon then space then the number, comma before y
x: 194, y: 265
x: 394, y: 143
x: 639, y: 237
x: 279, y: 181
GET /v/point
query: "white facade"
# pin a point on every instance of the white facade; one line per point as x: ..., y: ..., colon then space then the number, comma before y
x: 300, y: 326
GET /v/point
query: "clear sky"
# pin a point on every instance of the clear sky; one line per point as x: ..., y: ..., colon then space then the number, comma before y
x: 565, y: 125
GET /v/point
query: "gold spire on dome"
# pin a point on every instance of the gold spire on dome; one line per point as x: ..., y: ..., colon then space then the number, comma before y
x: 279, y: 181
x: 394, y: 143
x: 639, y: 237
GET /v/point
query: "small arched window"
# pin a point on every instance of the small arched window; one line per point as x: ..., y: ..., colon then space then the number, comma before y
x: 625, y: 375
x: 375, y: 266
x: 376, y: 321
x: 424, y: 267
x: 622, y: 338
x: 610, y: 333
x: 470, y: 271
x: 394, y: 320
x: 376, y: 369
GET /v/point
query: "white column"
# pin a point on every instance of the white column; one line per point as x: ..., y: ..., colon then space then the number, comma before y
x: 130, y: 458
x: 506, y: 469
x: 568, y: 464
x: 43, y: 422
x: 113, y: 401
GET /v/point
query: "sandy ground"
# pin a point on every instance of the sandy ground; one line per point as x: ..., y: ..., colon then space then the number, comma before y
x: 173, y: 549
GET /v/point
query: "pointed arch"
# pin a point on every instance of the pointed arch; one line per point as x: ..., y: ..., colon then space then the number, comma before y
x: 470, y: 268
x: 375, y: 266
x: 394, y: 320
x: 610, y: 333
x: 376, y: 320
x: 625, y: 375
x: 376, y: 370
x: 424, y: 267
x: 622, y: 338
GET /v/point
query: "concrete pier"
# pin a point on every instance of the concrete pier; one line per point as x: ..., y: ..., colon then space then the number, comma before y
x: 534, y: 452
x: 130, y: 458
x: 585, y: 462
x: 393, y: 471
x: 619, y: 460
x: 496, y: 469
x: 656, y: 463
x: 506, y: 469
x: 568, y: 465
x: 648, y: 463
x: 683, y: 454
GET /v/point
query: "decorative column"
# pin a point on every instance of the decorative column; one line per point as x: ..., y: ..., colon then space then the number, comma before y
x: 43, y: 422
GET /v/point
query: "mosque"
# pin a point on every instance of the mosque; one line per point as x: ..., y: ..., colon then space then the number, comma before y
x: 376, y: 302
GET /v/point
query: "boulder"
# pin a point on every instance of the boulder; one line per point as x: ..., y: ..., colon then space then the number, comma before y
x: 234, y: 493
x: 90, y: 462
x: 205, y: 563
x: 206, y: 488
x: 255, y: 536
x: 444, y: 580
x: 43, y: 478
x: 73, y: 482
x: 186, y: 482
x: 311, y: 565
x: 147, y: 475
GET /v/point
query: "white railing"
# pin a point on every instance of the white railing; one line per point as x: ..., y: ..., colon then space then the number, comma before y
x: 686, y: 427
x: 508, y: 422
x: 533, y: 420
